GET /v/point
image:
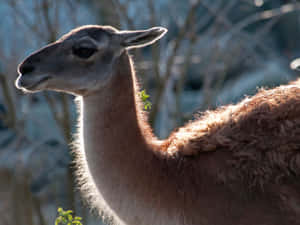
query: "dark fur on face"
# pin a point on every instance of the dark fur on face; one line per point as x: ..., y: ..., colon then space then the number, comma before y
x: 239, y: 164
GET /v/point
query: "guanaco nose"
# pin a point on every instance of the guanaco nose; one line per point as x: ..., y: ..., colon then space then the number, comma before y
x: 26, y: 68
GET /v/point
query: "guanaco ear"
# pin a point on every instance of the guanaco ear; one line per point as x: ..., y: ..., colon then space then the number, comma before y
x: 141, y: 38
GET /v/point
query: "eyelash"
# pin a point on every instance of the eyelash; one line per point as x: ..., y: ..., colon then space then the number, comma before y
x: 83, y: 52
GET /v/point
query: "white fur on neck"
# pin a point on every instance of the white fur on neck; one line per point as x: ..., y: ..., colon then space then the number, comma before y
x: 90, y: 157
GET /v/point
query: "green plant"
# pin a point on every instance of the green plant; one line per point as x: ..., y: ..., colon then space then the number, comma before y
x: 144, y: 96
x: 66, y: 218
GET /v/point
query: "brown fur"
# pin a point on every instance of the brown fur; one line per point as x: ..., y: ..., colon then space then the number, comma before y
x: 235, y: 165
x: 261, y: 133
x: 239, y: 164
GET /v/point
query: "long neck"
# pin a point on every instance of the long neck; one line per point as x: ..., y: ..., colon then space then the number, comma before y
x: 112, y: 121
x: 117, y: 147
x: 127, y: 180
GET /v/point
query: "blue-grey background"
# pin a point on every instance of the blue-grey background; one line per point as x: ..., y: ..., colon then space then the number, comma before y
x: 215, y: 53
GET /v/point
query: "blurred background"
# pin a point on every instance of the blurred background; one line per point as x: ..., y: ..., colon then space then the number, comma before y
x: 215, y: 53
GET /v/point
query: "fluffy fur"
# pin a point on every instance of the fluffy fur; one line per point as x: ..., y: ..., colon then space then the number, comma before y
x: 239, y: 164
x: 249, y: 150
x: 261, y: 132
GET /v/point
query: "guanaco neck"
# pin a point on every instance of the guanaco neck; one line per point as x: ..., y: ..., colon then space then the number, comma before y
x: 112, y: 120
x: 115, y: 142
x: 112, y: 133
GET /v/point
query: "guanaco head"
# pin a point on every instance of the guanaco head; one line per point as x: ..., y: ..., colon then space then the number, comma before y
x: 82, y: 60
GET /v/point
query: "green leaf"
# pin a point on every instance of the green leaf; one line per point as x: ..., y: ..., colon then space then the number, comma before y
x: 70, y: 217
x: 66, y: 218
x: 58, y: 220
x: 144, y: 96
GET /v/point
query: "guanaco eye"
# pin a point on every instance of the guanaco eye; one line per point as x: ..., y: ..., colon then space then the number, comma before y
x: 84, y: 52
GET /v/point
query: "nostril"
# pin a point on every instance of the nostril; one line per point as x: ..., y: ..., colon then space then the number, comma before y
x: 26, y: 68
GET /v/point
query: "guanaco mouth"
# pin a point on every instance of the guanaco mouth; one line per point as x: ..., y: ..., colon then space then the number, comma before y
x: 32, y: 86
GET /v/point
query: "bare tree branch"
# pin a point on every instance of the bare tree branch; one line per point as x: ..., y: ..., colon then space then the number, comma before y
x: 177, y: 42
x: 268, y: 14
x: 10, y: 117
